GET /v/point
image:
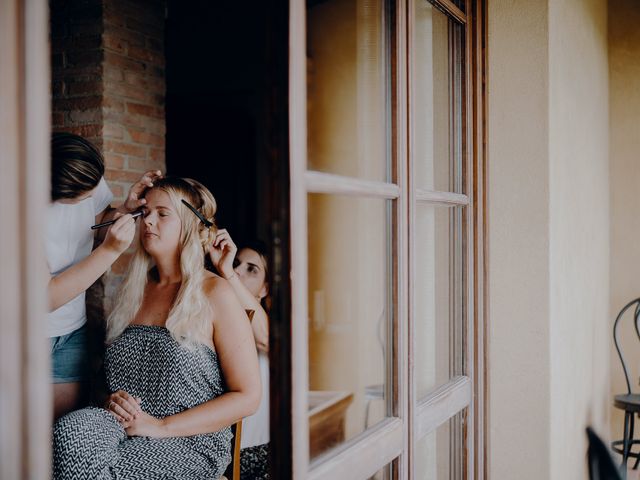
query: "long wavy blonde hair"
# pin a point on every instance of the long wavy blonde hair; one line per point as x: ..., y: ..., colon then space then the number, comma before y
x: 189, y: 319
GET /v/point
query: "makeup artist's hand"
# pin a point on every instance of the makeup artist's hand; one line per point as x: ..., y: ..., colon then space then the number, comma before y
x: 120, y: 234
x: 222, y: 253
x: 134, y: 200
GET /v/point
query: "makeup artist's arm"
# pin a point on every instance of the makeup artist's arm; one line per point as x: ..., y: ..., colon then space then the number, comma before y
x: 236, y: 353
x: 222, y: 254
x: 133, y: 202
x: 76, y: 279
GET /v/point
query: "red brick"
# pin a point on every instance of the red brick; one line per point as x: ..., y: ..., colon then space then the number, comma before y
x: 143, y: 164
x: 57, y: 118
x: 155, y: 44
x: 125, y: 148
x: 136, y: 79
x: 89, y: 131
x: 156, y: 126
x: 85, y: 116
x: 122, y: 175
x: 79, y: 103
x: 157, y: 154
x: 83, y: 88
x: 88, y: 30
x: 89, y: 69
x: 130, y: 37
x: 57, y: 88
x: 112, y: 16
x: 83, y: 57
x: 115, y: 60
x: 146, y: 55
x: 113, y: 130
x: 112, y: 160
x: 133, y: 120
x: 146, y: 138
x: 146, y: 110
x: 114, y: 43
x: 113, y: 74
x: 149, y: 83
x: 145, y: 28
x: 113, y: 104
x: 126, y: 91
x: 117, y: 190
x: 86, y: 42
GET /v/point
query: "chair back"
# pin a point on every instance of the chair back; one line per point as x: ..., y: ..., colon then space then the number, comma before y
x: 636, y: 314
x: 601, y: 465
x: 233, y: 469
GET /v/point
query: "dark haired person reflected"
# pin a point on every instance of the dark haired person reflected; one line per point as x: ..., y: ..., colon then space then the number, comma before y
x: 246, y: 269
x: 80, y: 198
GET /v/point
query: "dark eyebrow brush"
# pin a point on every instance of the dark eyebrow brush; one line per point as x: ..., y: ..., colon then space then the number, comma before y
x: 206, y: 222
x: 111, y: 222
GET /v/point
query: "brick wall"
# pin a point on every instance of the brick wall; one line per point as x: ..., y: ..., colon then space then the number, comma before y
x: 108, y: 72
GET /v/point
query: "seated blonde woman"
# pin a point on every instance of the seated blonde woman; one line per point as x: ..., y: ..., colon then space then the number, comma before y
x: 180, y: 362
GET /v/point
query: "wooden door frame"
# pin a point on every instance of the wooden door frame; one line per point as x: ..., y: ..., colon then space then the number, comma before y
x: 25, y: 403
x: 472, y: 387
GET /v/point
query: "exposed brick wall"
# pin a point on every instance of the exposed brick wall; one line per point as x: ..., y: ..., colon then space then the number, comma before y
x: 76, y: 64
x: 108, y: 72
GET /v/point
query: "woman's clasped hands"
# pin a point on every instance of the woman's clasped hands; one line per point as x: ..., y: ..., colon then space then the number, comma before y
x: 136, y: 422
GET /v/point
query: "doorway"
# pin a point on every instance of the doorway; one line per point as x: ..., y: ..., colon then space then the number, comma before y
x: 227, y: 126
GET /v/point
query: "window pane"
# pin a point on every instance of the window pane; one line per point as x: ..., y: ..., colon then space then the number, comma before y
x: 436, y: 90
x: 348, y: 86
x: 439, y: 336
x: 439, y: 454
x: 384, y: 473
x: 349, y: 317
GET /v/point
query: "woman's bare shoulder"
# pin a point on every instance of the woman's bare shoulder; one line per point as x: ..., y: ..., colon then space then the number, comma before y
x: 215, y: 285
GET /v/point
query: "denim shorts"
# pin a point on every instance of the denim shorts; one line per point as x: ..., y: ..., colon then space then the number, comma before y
x: 69, y: 357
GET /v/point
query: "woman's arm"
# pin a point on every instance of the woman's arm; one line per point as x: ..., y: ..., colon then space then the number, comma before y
x: 73, y: 281
x: 236, y: 352
x: 222, y: 254
x: 260, y: 320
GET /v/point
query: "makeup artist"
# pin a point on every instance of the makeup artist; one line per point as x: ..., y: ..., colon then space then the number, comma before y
x: 80, y: 197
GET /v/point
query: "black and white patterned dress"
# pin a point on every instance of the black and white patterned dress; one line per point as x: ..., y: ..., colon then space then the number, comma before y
x: 146, y: 362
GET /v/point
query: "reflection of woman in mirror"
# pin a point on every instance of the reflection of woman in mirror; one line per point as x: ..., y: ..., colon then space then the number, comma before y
x: 247, y: 272
x: 80, y: 197
x: 175, y: 333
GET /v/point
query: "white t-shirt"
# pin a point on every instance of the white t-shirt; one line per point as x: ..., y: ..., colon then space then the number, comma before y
x: 68, y: 240
x: 255, y: 429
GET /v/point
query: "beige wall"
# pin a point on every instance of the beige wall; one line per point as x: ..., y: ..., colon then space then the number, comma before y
x: 579, y: 229
x: 548, y: 224
x: 518, y: 171
x: 624, y: 96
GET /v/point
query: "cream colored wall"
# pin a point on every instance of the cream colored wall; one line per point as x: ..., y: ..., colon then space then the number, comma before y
x: 548, y: 234
x: 518, y: 171
x: 579, y: 229
x: 624, y: 96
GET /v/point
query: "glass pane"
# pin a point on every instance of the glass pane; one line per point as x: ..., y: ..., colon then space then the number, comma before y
x: 384, y: 473
x: 348, y: 86
x: 349, y: 319
x: 436, y: 75
x: 439, y: 335
x: 439, y: 454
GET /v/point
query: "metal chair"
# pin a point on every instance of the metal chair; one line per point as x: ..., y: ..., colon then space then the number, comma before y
x: 629, y: 402
x: 601, y: 465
